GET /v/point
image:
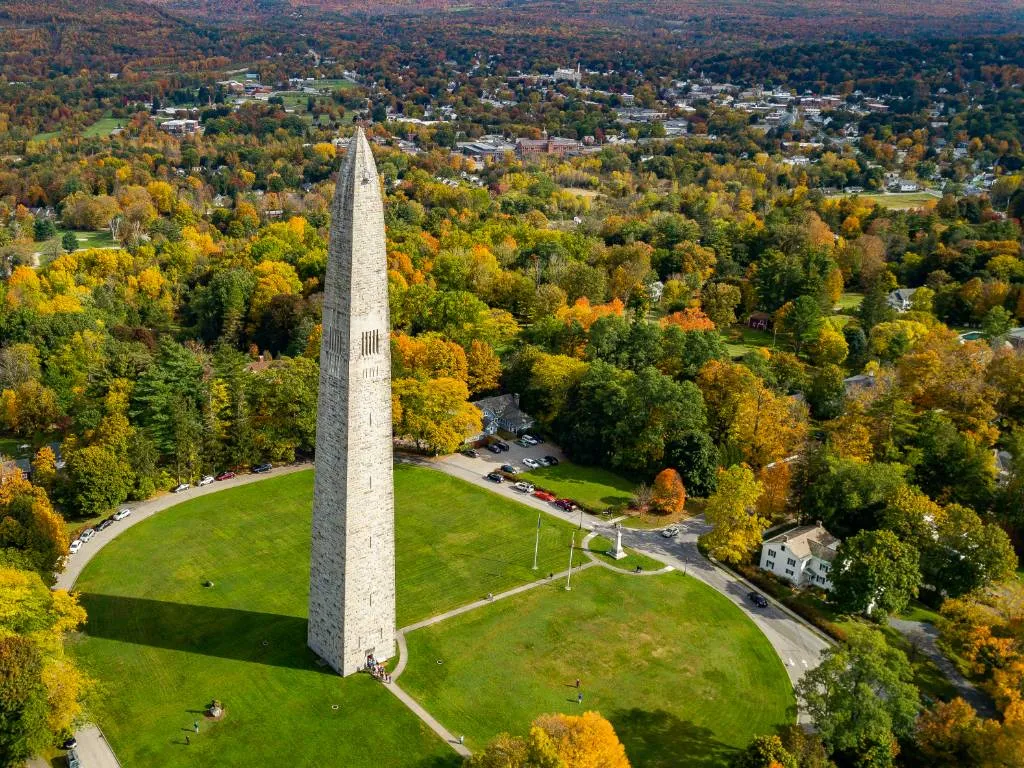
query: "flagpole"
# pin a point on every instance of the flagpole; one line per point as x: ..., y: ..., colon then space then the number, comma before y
x: 536, y: 544
x: 568, y: 575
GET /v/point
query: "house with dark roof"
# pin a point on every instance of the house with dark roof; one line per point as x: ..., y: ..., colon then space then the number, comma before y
x: 501, y: 412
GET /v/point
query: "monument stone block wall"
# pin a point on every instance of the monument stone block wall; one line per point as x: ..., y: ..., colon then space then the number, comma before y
x: 352, y: 567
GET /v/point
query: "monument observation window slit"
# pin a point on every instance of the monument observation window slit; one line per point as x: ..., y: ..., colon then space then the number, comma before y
x: 370, y: 343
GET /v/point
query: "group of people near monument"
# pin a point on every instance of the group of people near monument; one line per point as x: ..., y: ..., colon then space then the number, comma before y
x: 377, y: 670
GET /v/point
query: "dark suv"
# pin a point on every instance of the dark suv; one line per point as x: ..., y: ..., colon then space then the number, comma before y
x: 259, y: 469
x: 758, y: 600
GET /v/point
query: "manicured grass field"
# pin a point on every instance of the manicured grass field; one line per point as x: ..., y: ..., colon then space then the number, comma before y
x: 89, y: 239
x: 162, y: 645
x: 103, y: 126
x: 603, y: 548
x: 683, y: 676
x: 594, y: 487
x: 903, y: 200
x: 849, y: 301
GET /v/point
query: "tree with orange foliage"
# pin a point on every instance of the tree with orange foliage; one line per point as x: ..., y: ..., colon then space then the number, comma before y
x: 586, y: 315
x: 429, y: 356
x: 776, y: 479
x: 689, y: 319
x: 484, y: 367
x: 668, y: 494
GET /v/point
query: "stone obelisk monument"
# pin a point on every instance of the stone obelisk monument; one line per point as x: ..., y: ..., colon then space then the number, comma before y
x: 352, y: 567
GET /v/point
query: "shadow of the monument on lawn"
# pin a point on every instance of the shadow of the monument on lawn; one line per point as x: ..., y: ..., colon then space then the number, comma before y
x: 228, y: 633
x: 659, y: 739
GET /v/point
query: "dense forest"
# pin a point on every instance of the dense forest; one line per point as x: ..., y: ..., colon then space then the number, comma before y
x: 702, y: 303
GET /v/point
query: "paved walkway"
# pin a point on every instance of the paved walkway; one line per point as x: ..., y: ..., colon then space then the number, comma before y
x: 923, y: 635
x: 609, y: 532
x: 403, y: 650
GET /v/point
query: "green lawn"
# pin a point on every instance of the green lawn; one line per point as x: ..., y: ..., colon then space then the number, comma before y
x: 898, y: 199
x: 849, y: 302
x: 593, y: 487
x: 683, y: 676
x: 89, y: 239
x: 9, y: 447
x: 739, y: 339
x: 603, y: 548
x: 104, y: 126
x: 161, y: 645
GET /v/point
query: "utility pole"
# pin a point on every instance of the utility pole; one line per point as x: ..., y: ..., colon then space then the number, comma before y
x: 568, y: 575
x: 536, y: 543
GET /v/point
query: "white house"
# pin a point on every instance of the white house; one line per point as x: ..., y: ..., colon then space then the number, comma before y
x: 802, y: 556
x: 901, y: 299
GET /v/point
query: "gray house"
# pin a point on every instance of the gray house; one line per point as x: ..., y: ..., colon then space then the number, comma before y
x: 501, y: 412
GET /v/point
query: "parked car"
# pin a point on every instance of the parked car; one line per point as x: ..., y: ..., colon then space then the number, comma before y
x: 530, y: 440
x: 670, y: 532
x: 206, y: 480
x: 502, y: 446
x: 543, y: 495
x: 567, y: 504
x: 510, y: 469
x: 523, y: 487
x: 471, y: 453
x: 531, y: 463
x: 494, y: 477
x: 225, y: 475
x: 523, y: 443
x: 71, y: 743
x: 74, y: 546
x: 259, y: 469
x: 551, y: 460
x: 493, y: 448
x: 86, y: 535
x: 121, y: 514
x: 181, y: 488
x: 758, y: 600
x: 73, y: 761
x: 105, y: 524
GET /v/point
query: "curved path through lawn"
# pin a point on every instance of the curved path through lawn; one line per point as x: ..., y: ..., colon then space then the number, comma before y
x: 797, y: 643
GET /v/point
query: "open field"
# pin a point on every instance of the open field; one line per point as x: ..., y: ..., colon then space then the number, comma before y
x: 98, y: 239
x: 739, y: 339
x: 902, y: 200
x: 162, y: 645
x: 594, y: 487
x: 849, y: 302
x: 683, y: 676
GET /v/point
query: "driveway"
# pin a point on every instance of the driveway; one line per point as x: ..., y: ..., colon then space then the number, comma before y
x: 798, y: 645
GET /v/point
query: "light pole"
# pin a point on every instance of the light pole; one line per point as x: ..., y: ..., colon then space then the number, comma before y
x: 568, y: 575
x: 536, y: 543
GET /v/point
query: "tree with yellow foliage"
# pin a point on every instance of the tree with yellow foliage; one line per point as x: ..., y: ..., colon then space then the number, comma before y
x: 434, y: 414
x: 736, y: 526
x: 557, y: 741
x: 42, y: 688
x: 484, y: 367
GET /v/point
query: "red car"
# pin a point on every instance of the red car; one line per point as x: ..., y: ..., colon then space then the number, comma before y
x: 544, y: 495
x: 567, y: 504
x: 225, y: 475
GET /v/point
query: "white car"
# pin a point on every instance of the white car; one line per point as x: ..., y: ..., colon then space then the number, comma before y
x: 74, y: 546
x: 206, y: 481
x: 670, y: 532
x: 530, y: 440
x: 121, y: 514
x: 531, y: 463
x: 524, y: 487
x: 181, y: 488
x: 86, y: 535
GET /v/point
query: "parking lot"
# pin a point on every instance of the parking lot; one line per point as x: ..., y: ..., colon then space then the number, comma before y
x: 476, y: 469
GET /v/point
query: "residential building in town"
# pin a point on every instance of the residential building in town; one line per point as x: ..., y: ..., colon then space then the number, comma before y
x: 802, y: 556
